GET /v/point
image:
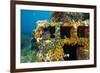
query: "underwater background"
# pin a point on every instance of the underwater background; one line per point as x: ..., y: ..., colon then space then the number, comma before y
x: 48, y: 36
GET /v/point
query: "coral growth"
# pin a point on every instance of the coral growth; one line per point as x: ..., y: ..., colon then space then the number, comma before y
x: 49, y: 38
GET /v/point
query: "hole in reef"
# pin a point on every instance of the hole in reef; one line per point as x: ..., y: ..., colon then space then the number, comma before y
x: 70, y: 52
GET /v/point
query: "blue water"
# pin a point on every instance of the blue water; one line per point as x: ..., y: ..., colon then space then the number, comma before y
x: 30, y: 17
